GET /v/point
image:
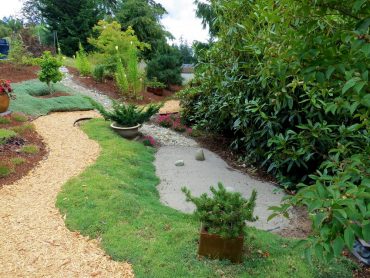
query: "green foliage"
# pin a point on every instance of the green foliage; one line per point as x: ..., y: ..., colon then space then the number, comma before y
x: 134, y: 78
x: 18, y: 161
x: 98, y: 73
x: 6, y: 134
x: 155, y: 84
x: 5, y: 171
x: 291, y: 81
x: 17, y: 52
x: 82, y: 63
x: 291, y: 88
x: 113, y: 44
x: 225, y: 213
x: 166, y: 66
x: 116, y: 199
x: 71, y: 19
x: 144, y: 17
x: 339, y: 205
x: 121, y: 78
x: 186, y: 52
x: 30, y: 149
x: 128, y: 115
x: 28, y: 104
x: 50, y: 70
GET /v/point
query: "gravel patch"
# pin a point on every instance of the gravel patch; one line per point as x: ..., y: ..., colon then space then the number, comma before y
x: 167, y: 137
x: 94, y: 94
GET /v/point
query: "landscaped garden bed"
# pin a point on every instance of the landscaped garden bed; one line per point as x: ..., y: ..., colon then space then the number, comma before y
x: 116, y: 200
x: 21, y: 148
x: 109, y: 88
x: 9, y: 71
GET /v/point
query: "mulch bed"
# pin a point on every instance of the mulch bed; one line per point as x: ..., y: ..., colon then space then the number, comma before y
x: 109, y: 88
x: 15, y: 73
x: 11, y: 149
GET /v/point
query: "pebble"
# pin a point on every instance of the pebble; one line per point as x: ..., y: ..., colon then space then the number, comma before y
x: 199, y: 155
x: 179, y: 163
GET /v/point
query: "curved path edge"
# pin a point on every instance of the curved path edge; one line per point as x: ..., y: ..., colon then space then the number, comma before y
x: 34, y: 241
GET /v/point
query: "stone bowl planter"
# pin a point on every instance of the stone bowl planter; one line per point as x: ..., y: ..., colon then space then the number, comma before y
x: 126, y: 132
x: 4, y: 102
x: 216, y: 247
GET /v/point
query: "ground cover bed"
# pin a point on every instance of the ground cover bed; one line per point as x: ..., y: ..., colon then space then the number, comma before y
x: 33, y: 99
x: 109, y: 88
x: 116, y: 201
x: 20, y: 148
x: 9, y: 71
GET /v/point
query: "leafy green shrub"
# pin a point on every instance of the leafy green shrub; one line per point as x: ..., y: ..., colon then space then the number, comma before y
x: 128, y: 115
x: 225, y: 213
x: 339, y: 205
x: 82, y: 63
x: 30, y: 149
x: 111, y: 42
x: 292, y: 85
x: 50, y: 70
x: 4, y: 171
x: 291, y: 81
x: 98, y: 73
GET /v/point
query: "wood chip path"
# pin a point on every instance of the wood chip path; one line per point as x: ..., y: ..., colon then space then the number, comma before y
x: 34, y: 241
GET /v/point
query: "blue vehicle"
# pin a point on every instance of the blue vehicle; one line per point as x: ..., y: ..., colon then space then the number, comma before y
x: 4, y: 48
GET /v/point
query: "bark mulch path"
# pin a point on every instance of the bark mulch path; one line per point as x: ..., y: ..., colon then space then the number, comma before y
x: 34, y: 241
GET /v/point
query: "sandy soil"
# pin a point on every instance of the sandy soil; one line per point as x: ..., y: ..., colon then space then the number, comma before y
x: 34, y: 241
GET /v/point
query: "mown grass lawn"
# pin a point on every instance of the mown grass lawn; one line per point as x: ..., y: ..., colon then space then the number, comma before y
x: 116, y: 199
x: 26, y: 101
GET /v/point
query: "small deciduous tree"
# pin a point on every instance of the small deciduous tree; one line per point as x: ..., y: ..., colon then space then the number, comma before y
x: 50, y: 70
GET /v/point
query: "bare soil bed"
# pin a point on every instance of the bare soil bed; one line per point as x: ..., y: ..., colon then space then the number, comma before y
x: 109, y: 88
x: 11, y: 151
x: 15, y: 73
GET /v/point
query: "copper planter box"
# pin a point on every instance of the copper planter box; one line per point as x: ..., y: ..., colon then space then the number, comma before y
x: 216, y: 247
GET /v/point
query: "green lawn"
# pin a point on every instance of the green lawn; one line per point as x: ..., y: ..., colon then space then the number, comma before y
x: 27, y: 103
x: 116, y: 199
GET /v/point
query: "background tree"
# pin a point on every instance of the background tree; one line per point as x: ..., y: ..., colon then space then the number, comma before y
x: 71, y: 19
x: 186, y: 52
x: 144, y: 17
x: 166, y: 65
